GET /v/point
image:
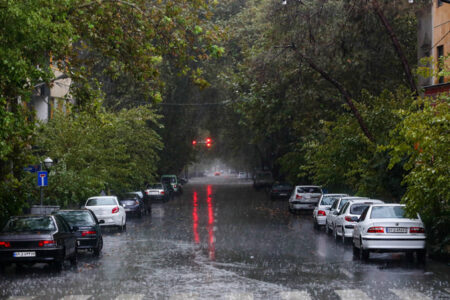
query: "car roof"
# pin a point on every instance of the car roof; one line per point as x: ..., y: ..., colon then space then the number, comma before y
x: 372, y: 201
x: 80, y: 209
x: 317, y: 186
x: 354, y: 197
x: 32, y: 216
x: 334, y: 194
x: 112, y: 196
x: 389, y: 204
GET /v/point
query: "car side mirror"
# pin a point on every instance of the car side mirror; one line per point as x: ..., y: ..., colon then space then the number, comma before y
x: 101, y: 222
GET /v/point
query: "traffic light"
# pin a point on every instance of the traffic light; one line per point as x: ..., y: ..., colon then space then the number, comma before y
x: 208, y: 142
x: 208, y: 145
x: 194, y: 142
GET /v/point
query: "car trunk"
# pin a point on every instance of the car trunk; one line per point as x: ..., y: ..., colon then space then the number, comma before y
x: 102, y: 210
x: 25, y: 240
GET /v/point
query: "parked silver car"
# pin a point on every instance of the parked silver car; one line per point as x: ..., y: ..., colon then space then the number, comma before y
x: 386, y: 228
x: 335, y: 209
x: 304, y: 197
x: 349, y: 215
x: 323, y: 208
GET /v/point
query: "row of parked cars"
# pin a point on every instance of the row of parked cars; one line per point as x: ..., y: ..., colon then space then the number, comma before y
x: 57, y: 237
x: 370, y: 224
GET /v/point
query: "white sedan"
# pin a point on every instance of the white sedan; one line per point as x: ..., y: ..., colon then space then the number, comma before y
x: 348, y: 216
x: 323, y: 208
x: 385, y: 228
x: 108, y: 209
x: 335, y: 209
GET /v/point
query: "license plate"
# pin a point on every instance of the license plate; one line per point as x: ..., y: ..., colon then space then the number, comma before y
x: 78, y: 243
x: 283, y: 194
x: 24, y: 254
x: 397, y: 230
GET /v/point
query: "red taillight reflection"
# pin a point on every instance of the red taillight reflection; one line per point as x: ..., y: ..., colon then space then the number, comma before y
x: 321, y: 213
x: 195, y: 217
x: 46, y: 243
x: 211, y: 241
x: 416, y: 230
x: 115, y: 210
x: 85, y: 233
x: 5, y: 244
x: 376, y: 229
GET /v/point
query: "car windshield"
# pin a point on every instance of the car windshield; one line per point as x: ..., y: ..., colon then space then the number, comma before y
x: 101, y: 201
x: 155, y: 186
x: 357, y: 209
x: 282, y: 186
x: 386, y: 212
x: 343, y: 201
x: 77, y: 218
x: 29, y: 224
x: 309, y: 189
x: 328, y: 200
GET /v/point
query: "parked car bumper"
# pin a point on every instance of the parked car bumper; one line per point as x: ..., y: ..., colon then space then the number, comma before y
x: 321, y: 220
x: 87, y: 243
x: 302, y: 206
x: 110, y: 220
x: 393, y: 244
x: 41, y: 255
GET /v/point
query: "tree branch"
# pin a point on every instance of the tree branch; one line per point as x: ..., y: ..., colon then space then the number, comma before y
x: 116, y: 1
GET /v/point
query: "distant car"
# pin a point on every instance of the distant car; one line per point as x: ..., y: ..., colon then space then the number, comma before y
x: 334, y: 210
x: 86, y: 227
x: 263, y: 179
x: 280, y: 190
x: 183, y: 180
x: 134, y: 205
x: 37, y: 238
x: 108, y: 209
x: 216, y: 173
x: 386, y: 228
x: 140, y: 195
x: 242, y: 175
x: 349, y: 215
x: 173, y: 181
x: 157, y: 191
x: 304, y: 197
x: 323, y: 208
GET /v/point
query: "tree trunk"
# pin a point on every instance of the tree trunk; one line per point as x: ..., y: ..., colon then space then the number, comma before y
x: 397, y: 46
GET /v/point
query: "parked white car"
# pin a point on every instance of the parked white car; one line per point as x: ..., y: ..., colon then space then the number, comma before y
x: 304, y: 197
x: 323, y: 208
x: 385, y: 228
x: 108, y: 209
x: 349, y: 215
x: 335, y: 209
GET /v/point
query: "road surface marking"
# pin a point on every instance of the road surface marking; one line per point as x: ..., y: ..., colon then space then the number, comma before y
x: 295, y: 295
x: 410, y: 295
x: 20, y: 298
x: 76, y: 297
x: 130, y: 297
x: 346, y: 273
x: 355, y: 294
x: 183, y: 297
x: 239, y: 296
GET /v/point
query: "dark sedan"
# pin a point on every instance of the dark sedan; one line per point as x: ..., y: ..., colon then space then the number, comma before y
x: 133, y: 205
x: 87, y: 229
x: 37, y: 238
x: 280, y: 191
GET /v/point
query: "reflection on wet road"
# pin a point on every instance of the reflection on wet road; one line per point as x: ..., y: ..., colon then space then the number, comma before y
x: 221, y: 239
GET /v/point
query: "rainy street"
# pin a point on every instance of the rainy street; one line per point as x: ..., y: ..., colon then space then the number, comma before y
x: 221, y: 239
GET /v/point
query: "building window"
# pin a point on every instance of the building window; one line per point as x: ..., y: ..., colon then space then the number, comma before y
x: 439, y: 3
x: 440, y: 53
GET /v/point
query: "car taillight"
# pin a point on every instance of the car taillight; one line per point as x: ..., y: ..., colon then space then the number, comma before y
x: 147, y: 192
x: 5, y: 244
x: 162, y: 192
x: 416, y: 230
x: 321, y: 213
x: 376, y: 229
x: 298, y: 197
x: 85, y: 233
x: 115, y: 210
x: 46, y: 243
x: 136, y: 202
x: 351, y: 219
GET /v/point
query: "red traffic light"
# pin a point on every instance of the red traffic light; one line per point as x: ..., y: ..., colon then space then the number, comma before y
x: 194, y: 142
x: 208, y: 145
x: 208, y: 141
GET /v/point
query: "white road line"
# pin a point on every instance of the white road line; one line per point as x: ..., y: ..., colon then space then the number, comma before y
x: 355, y: 294
x: 130, y: 297
x: 183, y: 297
x: 239, y: 296
x: 20, y: 298
x: 409, y: 294
x: 76, y: 297
x: 295, y: 295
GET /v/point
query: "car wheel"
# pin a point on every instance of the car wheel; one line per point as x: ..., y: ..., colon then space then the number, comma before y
x: 73, y: 260
x: 316, y: 226
x: 140, y: 213
x: 57, y: 265
x: 99, y: 247
x: 2, y: 268
x: 421, y: 255
x: 327, y: 229
x: 363, y: 254
x: 335, y: 233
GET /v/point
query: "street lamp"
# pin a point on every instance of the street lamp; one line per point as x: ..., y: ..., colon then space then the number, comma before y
x: 48, y: 162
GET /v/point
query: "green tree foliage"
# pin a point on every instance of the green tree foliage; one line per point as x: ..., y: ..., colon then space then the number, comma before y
x: 421, y: 141
x: 105, y: 151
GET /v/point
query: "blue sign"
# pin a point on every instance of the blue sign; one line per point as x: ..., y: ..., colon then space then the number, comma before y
x: 42, y: 178
x: 31, y: 168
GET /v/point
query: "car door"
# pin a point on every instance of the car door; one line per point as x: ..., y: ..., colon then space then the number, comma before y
x: 358, y: 227
x: 121, y: 212
x: 340, y: 217
x: 66, y: 237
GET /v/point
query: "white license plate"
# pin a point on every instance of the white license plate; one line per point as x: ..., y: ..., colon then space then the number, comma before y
x: 283, y: 194
x: 397, y: 230
x: 154, y: 193
x: 24, y: 254
x: 78, y: 243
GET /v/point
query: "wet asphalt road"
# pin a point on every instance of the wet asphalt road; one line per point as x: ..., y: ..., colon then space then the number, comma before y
x: 223, y: 240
